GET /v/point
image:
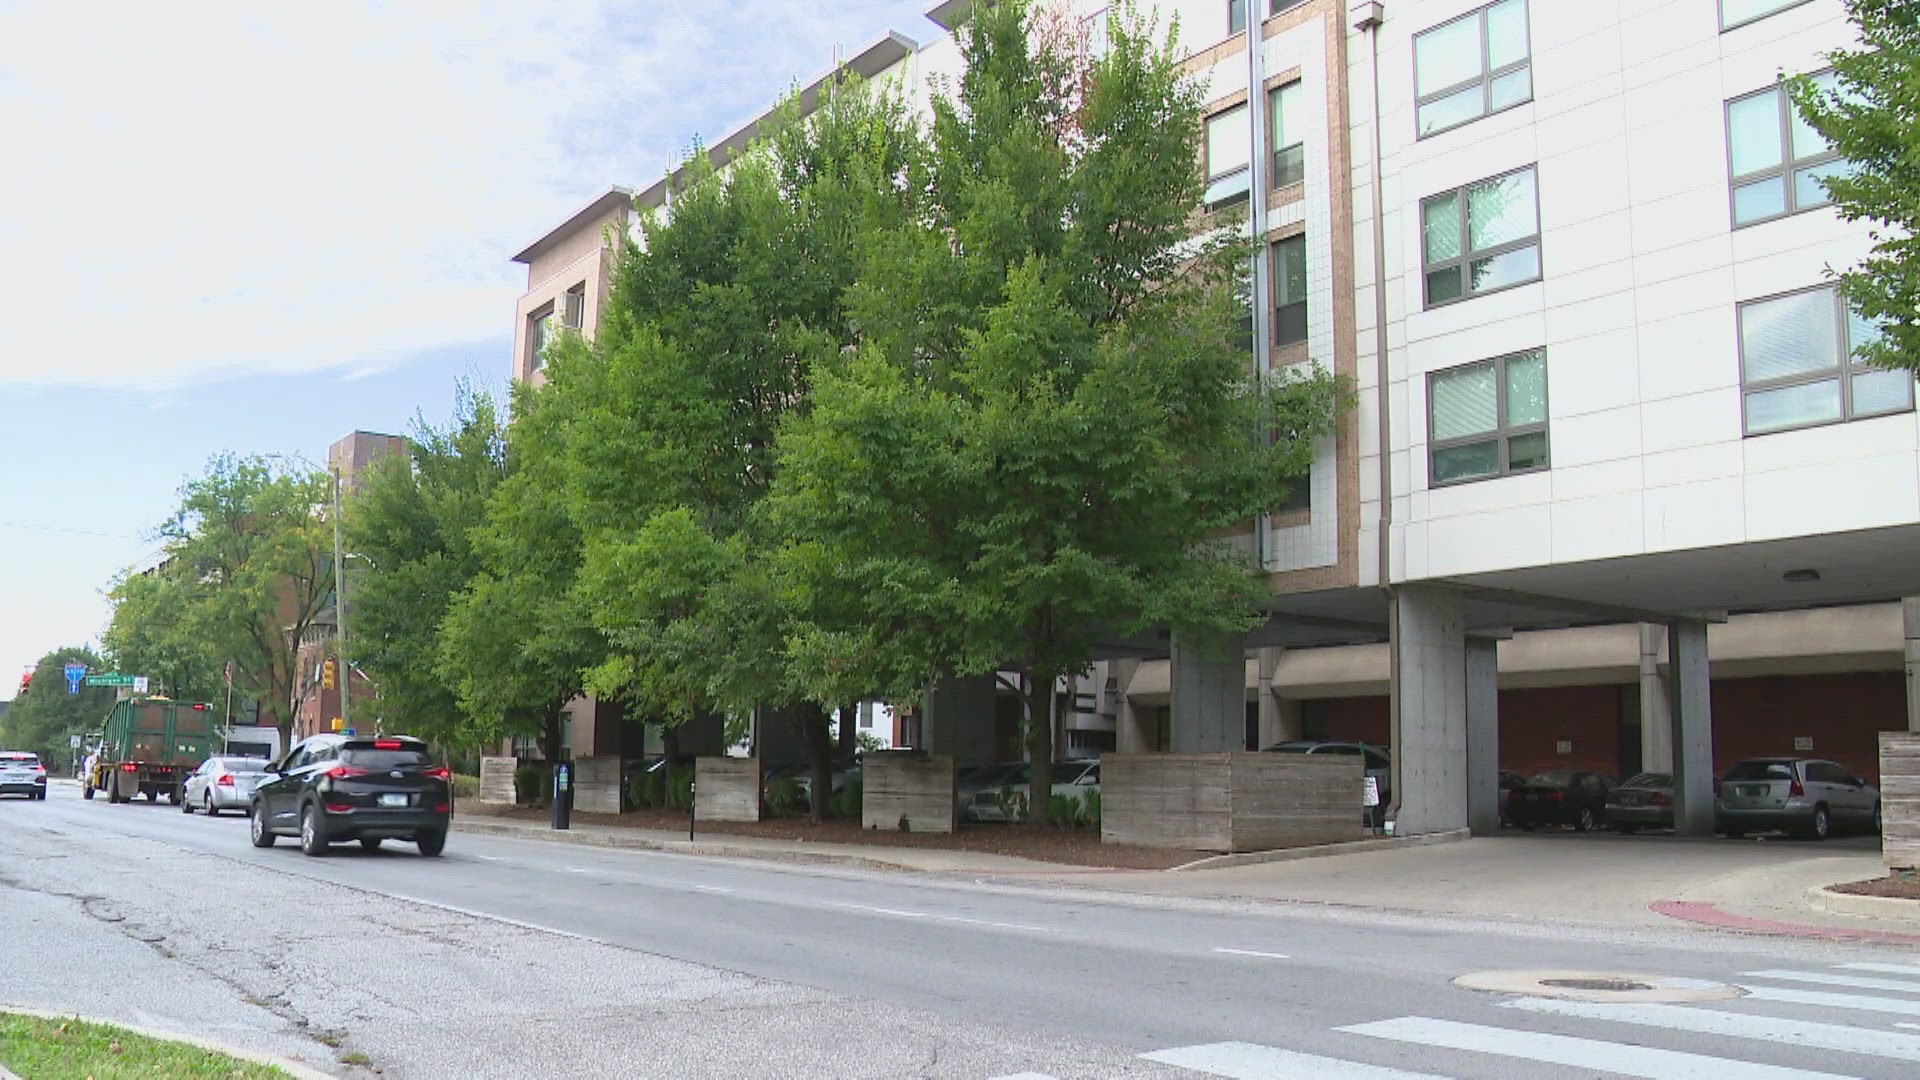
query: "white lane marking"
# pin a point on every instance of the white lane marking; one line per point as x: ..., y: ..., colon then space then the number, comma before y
x: 1840, y: 1037
x: 1251, y: 1061
x: 521, y: 923
x: 897, y: 913
x: 1901, y: 986
x: 1026, y: 1076
x: 1904, y: 1024
x: 1624, y: 1058
x: 1889, y: 969
x: 578, y: 870
x: 712, y: 888
x: 1251, y: 952
x: 489, y: 858
x: 1863, y: 1002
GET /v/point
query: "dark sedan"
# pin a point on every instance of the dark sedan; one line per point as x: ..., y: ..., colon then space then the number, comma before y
x: 337, y: 787
x: 1643, y: 802
x: 1561, y: 797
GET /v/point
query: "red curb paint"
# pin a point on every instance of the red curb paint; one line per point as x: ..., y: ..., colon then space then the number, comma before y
x: 1694, y: 911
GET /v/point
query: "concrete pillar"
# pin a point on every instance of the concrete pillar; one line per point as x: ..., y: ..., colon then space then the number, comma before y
x: 1691, y: 698
x: 1483, y: 735
x: 1280, y: 717
x: 1430, y: 644
x: 1656, y: 718
x: 1209, y: 692
x: 957, y: 720
x: 1133, y: 733
x: 1910, y: 614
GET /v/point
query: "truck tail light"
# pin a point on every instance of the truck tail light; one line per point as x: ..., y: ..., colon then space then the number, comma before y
x: 128, y: 766
x: 341, y: 772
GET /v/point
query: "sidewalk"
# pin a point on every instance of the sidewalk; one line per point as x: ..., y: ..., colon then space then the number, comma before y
x: 1755, y: 886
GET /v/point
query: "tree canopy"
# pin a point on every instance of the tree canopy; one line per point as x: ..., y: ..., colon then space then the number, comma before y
x: 42, y: 719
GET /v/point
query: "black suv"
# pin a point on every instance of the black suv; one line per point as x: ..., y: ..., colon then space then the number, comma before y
x: 343, y: 787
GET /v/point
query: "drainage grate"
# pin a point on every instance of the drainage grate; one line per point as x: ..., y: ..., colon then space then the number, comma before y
x: 1618, y: 986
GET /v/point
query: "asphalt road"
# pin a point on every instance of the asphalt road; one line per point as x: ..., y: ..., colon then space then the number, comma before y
x: 510, y: 957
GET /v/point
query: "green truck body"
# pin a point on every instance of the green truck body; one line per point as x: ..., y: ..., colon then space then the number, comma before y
x: 149, y: 746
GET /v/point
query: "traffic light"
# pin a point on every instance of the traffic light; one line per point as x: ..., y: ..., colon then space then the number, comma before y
x: 326, y: 675
x: 25, y: 682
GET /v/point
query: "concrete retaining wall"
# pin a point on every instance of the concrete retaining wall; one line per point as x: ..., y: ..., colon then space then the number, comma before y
x: 1229, y: 802
x: 496, y: 780
x: 907, y: 784
x: 1900, y: 799
x: 726, y: 789
x: 596, y: 784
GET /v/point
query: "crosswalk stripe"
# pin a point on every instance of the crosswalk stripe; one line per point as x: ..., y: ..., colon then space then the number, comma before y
x: 1897, y: 985
x: 1622, y: 1058
x: 1863, y: 1002
x: 1840, y: 1037
x: 1890, y: 969
x: 1251, y: 1061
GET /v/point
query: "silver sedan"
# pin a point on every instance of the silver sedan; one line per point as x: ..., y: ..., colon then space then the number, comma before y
x: 222, y: 783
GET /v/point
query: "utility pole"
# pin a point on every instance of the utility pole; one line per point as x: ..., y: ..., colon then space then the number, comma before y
x: 340, y: 611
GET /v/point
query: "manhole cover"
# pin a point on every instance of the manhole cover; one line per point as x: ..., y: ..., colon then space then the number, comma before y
x: 1614, y: 985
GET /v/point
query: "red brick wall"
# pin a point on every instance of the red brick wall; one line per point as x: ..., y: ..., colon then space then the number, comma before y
x: 1534, y: 721
x: 1363, y: 719
x: 1843, y: 714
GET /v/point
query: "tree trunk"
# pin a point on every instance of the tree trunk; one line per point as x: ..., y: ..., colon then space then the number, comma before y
x: 551, y: 729
x: 669, y: 750
x: 1040, y: 747
x: 813, y: 729
x: 849, y: 743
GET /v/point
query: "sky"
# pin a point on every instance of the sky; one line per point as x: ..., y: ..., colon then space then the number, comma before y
x: 254, y: 228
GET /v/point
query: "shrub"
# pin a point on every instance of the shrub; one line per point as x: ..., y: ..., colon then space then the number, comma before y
x: 533, y: 783
x: 846, y: 802
x: 682, y: 788
x: 466, y: 787
x: 782, y: 798
x: 1066, y: 809
x: 1090, y: 809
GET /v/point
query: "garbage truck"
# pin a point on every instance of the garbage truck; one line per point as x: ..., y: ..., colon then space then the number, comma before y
x: 149, y: 746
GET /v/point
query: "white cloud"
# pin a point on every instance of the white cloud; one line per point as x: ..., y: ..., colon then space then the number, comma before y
x: 197, y: 189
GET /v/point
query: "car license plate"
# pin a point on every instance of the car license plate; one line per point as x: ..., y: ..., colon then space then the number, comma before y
x: 393, y: 800
x: 1630, y: 800
x: 1755, y: 790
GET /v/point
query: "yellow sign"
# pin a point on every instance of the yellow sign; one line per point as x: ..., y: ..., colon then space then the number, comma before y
x: 336, y: 724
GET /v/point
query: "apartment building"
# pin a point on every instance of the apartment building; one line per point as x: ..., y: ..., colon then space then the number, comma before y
x: 1613, y: 494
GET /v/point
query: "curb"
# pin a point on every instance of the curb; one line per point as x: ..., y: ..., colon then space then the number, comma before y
x: 1824, y: 898
x: 675, y: 847
x: 1707, y: 915
x: 1345, y: 847
x: 292, y: 1068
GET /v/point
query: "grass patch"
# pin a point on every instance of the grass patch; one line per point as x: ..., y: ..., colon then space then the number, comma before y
x: 52, y: 1049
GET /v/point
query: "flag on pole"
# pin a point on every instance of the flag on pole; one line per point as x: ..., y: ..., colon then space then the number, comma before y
x: 229, y: 674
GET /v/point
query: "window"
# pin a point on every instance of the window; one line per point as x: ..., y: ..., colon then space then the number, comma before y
x: 1275, y: 7
x: 1481, y: 237
x: 1474, y: 66
x: 539, y: 332
x: 1797, y: 367
x: 1740, y: 12
x: 1236, y: 16
x: 1229, y: 157
x: 1299, y: 496
x: 1289, y: 127
x: 1290, y: 290
x: 576, y: 310
x: 1775, y: 158
x: 1488, y: 419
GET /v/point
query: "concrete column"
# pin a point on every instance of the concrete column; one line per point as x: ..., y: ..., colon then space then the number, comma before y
x: 1132, y: 733
x: 1910, y: 614
x: 1691, y: 698
x: 1280, y: 718
x: 1209, y: 691
x: 1483, y: 735
x: 957, y: 719
x: 1430, y: 644
x: 1656, y: 718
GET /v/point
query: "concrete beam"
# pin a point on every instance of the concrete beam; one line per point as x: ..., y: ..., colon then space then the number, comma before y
x: 1569, y: 605
x: 1208, y: 691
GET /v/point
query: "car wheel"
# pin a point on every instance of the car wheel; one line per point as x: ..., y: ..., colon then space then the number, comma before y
x: 186, y: 805
x: 153, y: 795
x: 431, y: 842
x: 1820, y: 825
x: 313, y: 835
x: 212, y: 810
x: 370, y: 843
x: 1583, y: 823
x: 86, y: 791
x: 257, y: 827
x: 176, y: 797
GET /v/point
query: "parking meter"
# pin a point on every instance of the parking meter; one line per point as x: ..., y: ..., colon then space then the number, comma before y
x: 563, y: 795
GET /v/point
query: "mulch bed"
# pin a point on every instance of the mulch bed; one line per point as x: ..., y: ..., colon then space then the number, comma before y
x: 1895, y: 886
x: 1073, y: 847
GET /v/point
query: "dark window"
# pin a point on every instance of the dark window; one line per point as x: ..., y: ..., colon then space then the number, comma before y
x: 576, y: 310
x: 1481, y: 238
x: 1798, y: 368
x: 1236, y: 16
x: 1289, y: 130
x: 1474, y: 66
x: 385, y: 759
x: 1229, y: 157
x: 1290, y: 290
x: 539, y: 333
x: 1487, y: 419
x: 1760, y: 770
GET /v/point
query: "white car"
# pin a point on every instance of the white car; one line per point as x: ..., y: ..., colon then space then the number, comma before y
x: 22, y: 774
x: 222, y: 783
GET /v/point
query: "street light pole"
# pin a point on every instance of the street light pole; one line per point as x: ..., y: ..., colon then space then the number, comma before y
x: 340, y: 610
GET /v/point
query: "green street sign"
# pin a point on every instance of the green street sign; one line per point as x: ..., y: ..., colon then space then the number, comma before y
x: 110, y: 679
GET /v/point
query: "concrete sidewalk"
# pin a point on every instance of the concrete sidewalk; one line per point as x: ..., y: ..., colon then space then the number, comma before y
x: 1764, y: 886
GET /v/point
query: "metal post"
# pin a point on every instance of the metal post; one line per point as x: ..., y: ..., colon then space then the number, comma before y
x: 693, y: 790
x: 340, y: 611
x: 562, y: 795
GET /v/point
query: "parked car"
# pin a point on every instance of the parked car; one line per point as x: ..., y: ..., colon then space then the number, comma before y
x: 1644, y: 801
x: 986, y: 793
x: 1508, y: 781
x: 1561, y: 797
x: 1810, y: 796
x: 222, y: 783
x: 22, y: 774
x: 1375, y: 763
x: 366, y: 788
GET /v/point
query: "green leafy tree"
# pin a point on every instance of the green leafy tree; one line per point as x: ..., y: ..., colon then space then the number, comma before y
x: 151, y: 635
x: 1049, y: 430
x: 1868, y: 117
x: 248, y: 569
x: 412, y: 519
x: 42, y: 719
